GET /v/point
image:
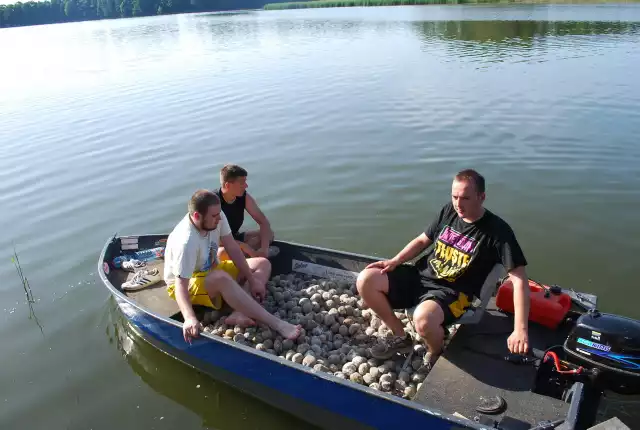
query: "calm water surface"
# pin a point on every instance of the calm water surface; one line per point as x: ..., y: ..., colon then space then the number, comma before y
x: 351, y: 123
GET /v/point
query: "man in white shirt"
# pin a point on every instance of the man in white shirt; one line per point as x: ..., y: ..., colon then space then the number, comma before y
x: 194, y: 275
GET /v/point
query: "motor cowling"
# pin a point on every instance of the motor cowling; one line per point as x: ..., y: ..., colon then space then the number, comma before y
x: 611, y: 345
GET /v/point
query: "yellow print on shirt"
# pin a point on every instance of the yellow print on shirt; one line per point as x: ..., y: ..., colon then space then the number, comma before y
x: 449, y: 263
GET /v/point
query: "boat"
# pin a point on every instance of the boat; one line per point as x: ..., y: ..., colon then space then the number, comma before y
x: 474, y: 384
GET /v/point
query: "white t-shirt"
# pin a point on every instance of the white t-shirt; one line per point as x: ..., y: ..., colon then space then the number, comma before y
x: 188, y: 251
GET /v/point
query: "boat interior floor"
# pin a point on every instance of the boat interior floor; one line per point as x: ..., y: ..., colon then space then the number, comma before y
x: 472, y: 369
x: 155, y: 297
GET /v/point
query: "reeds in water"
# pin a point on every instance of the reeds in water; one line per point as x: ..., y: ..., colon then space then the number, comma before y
x: 27, y: 289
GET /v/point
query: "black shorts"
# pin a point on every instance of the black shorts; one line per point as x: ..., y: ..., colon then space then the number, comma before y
x: 407, y: 288
x: 239, y: 236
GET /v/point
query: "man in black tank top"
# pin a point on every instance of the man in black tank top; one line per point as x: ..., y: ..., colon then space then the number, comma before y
x: 234, y: 200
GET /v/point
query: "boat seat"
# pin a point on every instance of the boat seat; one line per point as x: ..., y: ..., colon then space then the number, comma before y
x: 474, y: 313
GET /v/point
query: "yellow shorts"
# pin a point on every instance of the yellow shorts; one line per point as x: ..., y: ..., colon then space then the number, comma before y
x: 197, y: 291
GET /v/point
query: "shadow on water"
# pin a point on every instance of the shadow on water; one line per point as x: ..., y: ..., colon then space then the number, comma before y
x: 218, y: 405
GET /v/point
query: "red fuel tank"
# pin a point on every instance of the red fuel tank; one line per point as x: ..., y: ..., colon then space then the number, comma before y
x: 547, y: 308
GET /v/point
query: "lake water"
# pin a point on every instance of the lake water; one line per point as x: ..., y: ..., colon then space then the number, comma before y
x: 351, y: 123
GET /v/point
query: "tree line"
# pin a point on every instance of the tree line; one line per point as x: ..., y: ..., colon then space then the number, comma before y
x: 55, y: 11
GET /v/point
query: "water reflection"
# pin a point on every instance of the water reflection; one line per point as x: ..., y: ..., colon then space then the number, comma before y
x: 497, y: 40
x: 218, y: 405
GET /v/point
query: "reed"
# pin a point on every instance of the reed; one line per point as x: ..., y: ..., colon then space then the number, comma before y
x: 27, y: 289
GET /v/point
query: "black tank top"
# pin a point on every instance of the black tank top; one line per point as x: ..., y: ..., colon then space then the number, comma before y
x: 233, y: 211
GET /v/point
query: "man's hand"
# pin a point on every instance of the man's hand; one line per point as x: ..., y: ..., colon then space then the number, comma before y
x: 384, y: 266
x: 262, y: 252
x: 191, y: 329
x: 258, y: 290
x: 518, y: 342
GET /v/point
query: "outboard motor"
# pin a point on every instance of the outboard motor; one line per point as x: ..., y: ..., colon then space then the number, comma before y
x: 608, y: 345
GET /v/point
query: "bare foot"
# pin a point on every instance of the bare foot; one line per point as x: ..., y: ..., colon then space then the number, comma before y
x: 288, y: 331
x: 239, y: 319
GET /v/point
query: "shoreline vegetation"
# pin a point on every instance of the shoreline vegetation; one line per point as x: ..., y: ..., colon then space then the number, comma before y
x: 60, y: 11
x: 372, y: 3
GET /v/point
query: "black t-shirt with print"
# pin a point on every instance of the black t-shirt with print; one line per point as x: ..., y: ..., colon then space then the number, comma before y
x: 463, y: 254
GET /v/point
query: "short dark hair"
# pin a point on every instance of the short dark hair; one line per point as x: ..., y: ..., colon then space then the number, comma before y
x: 473, y: 176
x: 201, y: 200
x: 231, y: 172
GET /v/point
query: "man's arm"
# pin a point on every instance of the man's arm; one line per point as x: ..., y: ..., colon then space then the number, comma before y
x: 191, y: 326
x: 412, y: 249
x: 265, y: 227
x: 518, y: 342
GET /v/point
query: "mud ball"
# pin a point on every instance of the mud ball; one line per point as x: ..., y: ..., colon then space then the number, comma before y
x: 409, y: 392
x: 309, y: 360
x: 317, y: 297
x: 356, y: 377
x: 334, y: 359
x: 287, y: 344
x: 296, y: 310
x: 375, y: 373
x: 343, y: 330
x: 320, y: 368
x: 354, y: 329
x: 375, y: 386
x: 260, y: 347
x: 329, y: 320
x: 363, y: 369
x: 208, y: 329
x: 340, y: 375
x: 302, y: 348
x: 229, y: 333
x: 349, y: 368
x: 238, y: 338
x: 330, y: 304
x: 368, y: 379
x: 369, y: 331
x: 297, y: 358
x: 358, y: 360
x: 337, y: 343
x: 307, y: 307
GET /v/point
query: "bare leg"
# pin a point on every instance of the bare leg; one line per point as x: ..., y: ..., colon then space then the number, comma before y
x: 373, y: 287
x: 261, y: 269
x: 219, y: 282
x: 429, y: 318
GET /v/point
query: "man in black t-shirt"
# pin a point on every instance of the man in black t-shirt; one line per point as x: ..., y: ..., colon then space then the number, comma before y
x: 467, y: 242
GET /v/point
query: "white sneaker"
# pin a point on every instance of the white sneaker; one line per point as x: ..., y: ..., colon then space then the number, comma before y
x: 132, y: 265
x: 142, y: 279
